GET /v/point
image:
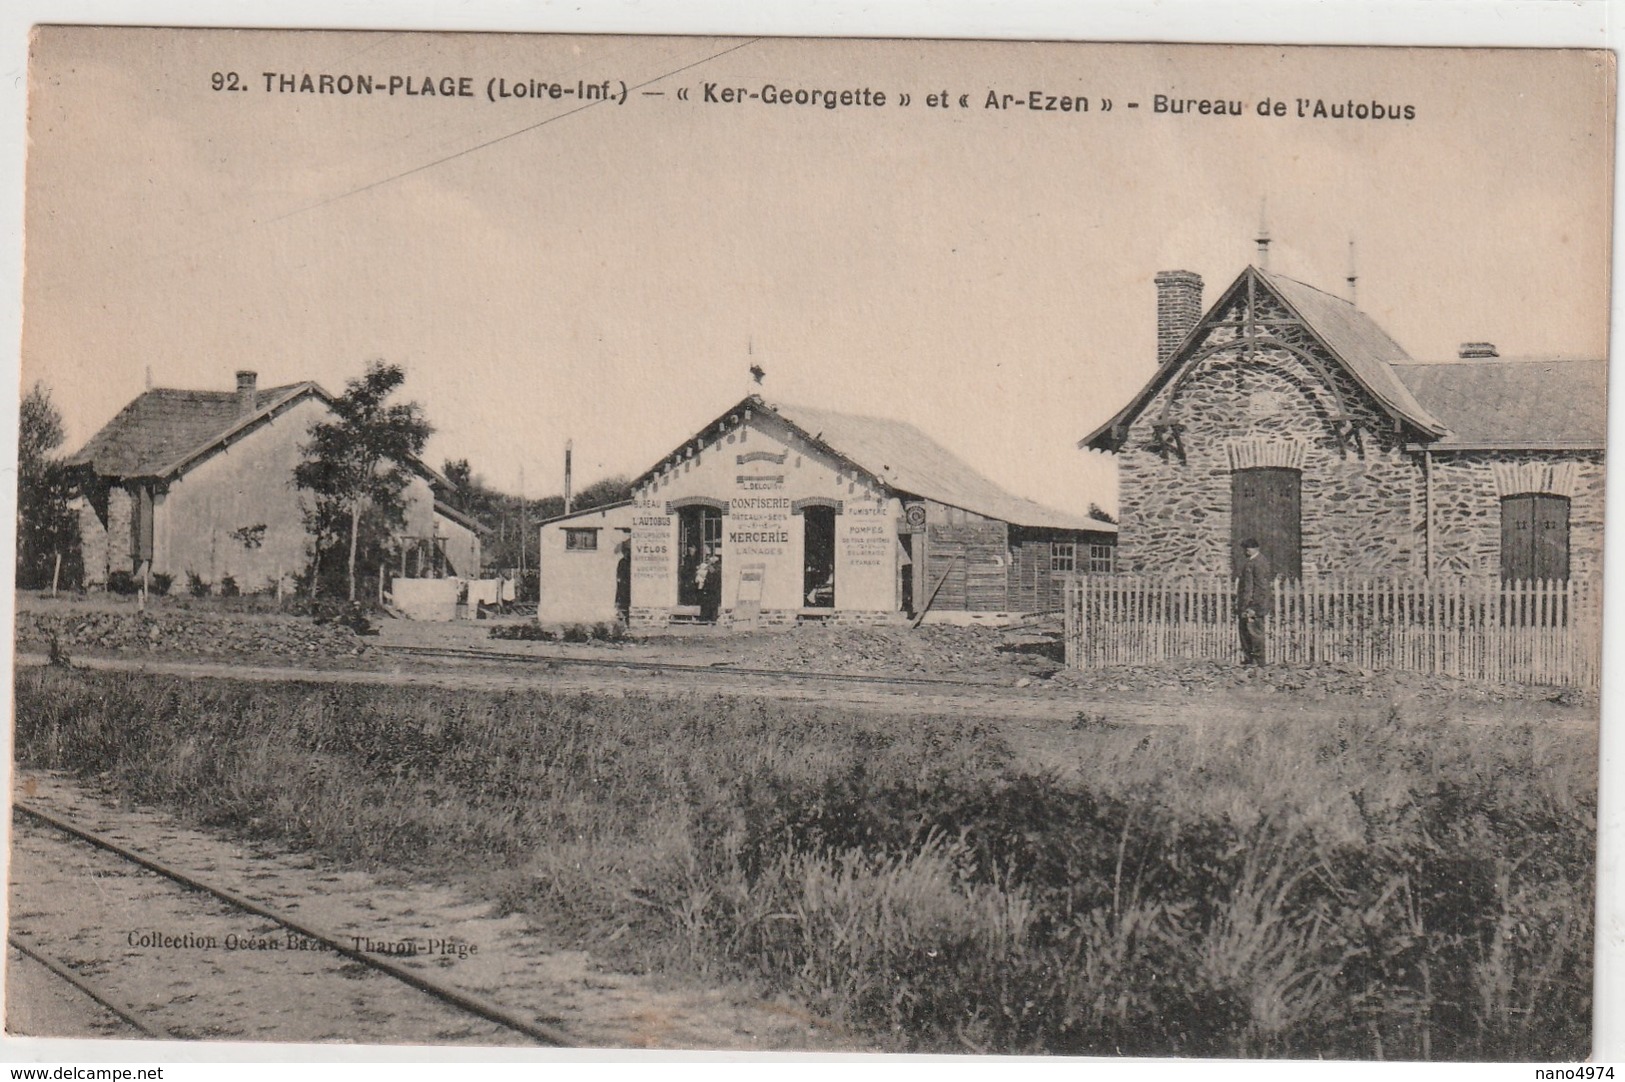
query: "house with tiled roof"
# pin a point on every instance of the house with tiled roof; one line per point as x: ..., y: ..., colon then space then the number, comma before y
x: 201, y: 483
x: 774, y: 513
x: 1285, y: 413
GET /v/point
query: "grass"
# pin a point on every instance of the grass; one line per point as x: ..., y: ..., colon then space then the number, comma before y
x: 1362, y: 888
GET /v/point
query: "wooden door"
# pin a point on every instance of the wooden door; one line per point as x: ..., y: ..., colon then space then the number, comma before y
x: 1266, y: 505
x: 1534, y: 537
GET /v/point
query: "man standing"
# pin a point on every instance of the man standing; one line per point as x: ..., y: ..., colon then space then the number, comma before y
x: 1254, y: 598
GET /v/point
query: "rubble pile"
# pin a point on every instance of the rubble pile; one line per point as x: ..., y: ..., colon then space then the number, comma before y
x: 181, y: 633
x: 938, y: 650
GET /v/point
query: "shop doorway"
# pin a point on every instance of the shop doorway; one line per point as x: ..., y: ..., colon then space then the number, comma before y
x: 699, y: 564
x: 818, y: 583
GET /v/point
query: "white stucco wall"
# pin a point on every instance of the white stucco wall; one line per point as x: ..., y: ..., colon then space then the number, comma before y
x: 578, y: 587
x: 247, y: 484
x: 760, y: 474
x: 462, y: 545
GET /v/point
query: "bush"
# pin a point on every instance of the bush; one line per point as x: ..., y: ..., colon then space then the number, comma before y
x: 228, y: 587
x: 123, y: 583
x: 160, y: 583
x: 195, y: 585
x: 522, y: 633
x: 575, y: 633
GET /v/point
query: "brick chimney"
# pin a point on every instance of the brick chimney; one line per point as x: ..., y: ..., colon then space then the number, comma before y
x: 1179, y: 306
x: 247, y: 392
x: 1477, y: 351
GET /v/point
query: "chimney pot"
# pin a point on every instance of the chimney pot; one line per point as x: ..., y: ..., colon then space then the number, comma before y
x: 1179, y: 307
x: 247, y: 392
x: 1477, y: 351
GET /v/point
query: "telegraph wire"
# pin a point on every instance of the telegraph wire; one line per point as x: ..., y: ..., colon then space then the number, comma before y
x: 499, y: 139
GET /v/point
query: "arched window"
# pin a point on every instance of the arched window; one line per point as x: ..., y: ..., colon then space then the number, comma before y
x: 1266, y: 505
x: 1534, y: 537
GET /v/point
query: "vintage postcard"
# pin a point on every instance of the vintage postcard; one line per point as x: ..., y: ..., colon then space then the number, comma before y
x: 796, y: 545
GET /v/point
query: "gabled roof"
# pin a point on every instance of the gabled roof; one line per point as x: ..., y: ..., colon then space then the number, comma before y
x: 1351, y: 337
x: 164, y: 429
x: 1354, y: 338
x: 1510, y: 404
x: 467, y: 521
x: 907, y: 461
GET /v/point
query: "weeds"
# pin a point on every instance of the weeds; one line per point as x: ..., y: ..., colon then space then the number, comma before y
x: 1373, y: 888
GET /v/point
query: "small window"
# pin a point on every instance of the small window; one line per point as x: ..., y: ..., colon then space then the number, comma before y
x: 581, y: 540
x: 1063, y: 556
x: 1102, y: 559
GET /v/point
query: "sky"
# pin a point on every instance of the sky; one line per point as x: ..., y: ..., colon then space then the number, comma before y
x: 607, y: 273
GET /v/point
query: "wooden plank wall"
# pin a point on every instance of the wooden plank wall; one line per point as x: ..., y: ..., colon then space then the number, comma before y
x: 974, y: 555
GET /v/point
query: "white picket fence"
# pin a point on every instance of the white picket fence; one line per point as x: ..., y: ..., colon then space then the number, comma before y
x: 1533, y: 632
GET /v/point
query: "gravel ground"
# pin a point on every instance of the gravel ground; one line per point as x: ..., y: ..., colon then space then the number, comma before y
x: 83, y: 905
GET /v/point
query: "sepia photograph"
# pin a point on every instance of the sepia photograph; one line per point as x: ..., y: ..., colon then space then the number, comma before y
x: 796, y: 545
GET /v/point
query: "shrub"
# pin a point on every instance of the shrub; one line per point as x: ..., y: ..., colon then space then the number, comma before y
x: 195, y: 585
x: 575, y: 633
x: 228, y: 586
x: 160, y: 583
x: 522, y: 632
x: 123, y: 583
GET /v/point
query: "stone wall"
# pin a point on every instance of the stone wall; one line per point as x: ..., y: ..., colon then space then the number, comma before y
x: 120, y: 509
x: 1357, y: 496
x: 1364, y: 504
x: 1467, y: 508
x: 92, y: 543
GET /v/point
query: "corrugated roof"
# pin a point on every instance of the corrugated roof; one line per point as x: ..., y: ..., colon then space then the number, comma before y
x: 1514, y: 403
x: 908, y: 460
x: 1363, y: 346
x: 163, y: 428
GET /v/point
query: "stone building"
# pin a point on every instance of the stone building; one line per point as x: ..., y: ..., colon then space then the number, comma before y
x: 201, y: 482
x: 804, y: 514
x: 1287, y: 414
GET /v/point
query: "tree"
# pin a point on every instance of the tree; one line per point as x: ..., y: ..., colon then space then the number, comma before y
x: 355, y: 464
x: 46, y: 528
x: 461, y: 476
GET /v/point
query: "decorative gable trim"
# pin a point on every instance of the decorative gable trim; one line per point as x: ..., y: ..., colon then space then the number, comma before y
x: 1247, y: 333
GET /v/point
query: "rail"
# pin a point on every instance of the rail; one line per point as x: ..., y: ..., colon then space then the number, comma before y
x: 456, y: 997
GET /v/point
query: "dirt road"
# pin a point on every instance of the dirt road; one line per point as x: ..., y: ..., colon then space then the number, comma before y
x: 1042, y: 703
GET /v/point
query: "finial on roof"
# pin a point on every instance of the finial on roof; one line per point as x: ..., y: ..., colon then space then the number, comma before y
x: 149, y: 377
x: 1263, y: 234
x: 1354, y: 276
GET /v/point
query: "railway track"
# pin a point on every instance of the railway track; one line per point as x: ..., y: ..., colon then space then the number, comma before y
x: 938, y: 683
x: 90, y: 989
x: 84, y: 976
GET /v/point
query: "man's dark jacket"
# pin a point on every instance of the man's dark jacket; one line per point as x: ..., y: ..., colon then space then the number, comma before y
x: 1257, y: 590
